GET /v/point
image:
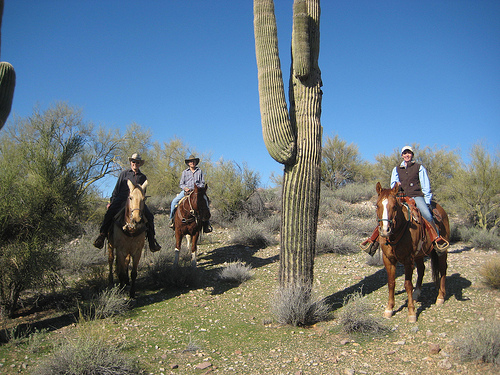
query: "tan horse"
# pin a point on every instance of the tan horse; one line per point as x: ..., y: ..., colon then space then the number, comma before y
x: 403, y: 239
x: 191, y: 212
x: 127, y: 237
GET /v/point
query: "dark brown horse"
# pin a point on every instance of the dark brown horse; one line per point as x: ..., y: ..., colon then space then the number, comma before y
x: 403, y: 239
x: 191, y: 212
x: 127, y: 238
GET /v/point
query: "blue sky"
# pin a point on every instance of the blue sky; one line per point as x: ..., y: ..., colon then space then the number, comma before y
x: 394, y: 72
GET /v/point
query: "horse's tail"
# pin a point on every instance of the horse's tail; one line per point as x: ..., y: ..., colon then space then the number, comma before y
x: 435, y: 267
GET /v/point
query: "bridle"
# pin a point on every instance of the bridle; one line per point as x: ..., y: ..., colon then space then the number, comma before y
x: 392, y: 224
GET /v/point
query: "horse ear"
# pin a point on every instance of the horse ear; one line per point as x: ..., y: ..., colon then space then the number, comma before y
x: 378, y: 188
x: 395, y: 189
x: 130, y: 185
x: 206, y: 187
x: 144, y: 186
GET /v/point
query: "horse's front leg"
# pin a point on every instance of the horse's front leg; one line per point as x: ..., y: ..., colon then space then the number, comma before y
x: 178, y: 243
x: 442, y: 267
x: 420, y: 276
x: 122, y: 262
x: 133, y: 273
x: 111, y: 259
x: 390, y: 267
x: 412, y: 316
x: 192, y: 244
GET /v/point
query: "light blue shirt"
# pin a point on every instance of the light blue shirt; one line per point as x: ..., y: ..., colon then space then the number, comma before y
x: 425, y: 183
x: 189, y: 179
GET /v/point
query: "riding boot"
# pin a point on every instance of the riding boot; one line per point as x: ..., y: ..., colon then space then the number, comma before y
x: 207, y: 228
x: 172, y: 225
x: 153, y: 245
x: 99, y: 242
x: 371, y: 244
x: 440, y: 244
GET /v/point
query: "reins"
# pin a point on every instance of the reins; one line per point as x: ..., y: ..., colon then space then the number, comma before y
x: 193, y: 216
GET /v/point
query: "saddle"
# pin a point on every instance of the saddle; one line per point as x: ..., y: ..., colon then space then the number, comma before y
x: 427, y: 230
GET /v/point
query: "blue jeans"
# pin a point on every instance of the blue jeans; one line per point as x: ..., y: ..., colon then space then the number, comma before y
x: 174, y: 203
x: 424, y: 209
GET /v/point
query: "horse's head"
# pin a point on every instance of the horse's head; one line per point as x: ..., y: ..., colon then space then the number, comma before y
x: 387, y: 209
x: 201, y: 202
x: 135, y: 205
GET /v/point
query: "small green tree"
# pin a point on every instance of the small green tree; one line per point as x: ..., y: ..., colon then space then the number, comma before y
x: 475, y: 189
x: 229, y: 186
x: 340, y: 163
x: 49, y: 162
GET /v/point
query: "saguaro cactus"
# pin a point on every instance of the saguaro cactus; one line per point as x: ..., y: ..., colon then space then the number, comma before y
x: 293, y: 137
x: 7, y: 82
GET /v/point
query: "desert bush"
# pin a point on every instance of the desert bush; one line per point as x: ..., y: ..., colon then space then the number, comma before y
x: 250, y: 232
x: 295, y: 305
x: 491, y: 272
x: 88, y: 355
x: 356, y: 316
x: 482, y: 238
x: 355, y: 192
x: 272, y: 223
x: 333, y: 242
x: 25, y: 265
x: 237, y: 272
x: 479, y: 342
x: 230, y: 185
x: 111, y: 302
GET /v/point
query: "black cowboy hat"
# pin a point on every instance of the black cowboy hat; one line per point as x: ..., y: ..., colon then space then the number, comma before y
x: 192, y: 158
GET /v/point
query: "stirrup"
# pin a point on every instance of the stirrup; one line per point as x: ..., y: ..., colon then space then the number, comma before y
x: 441, y: 248
x: 365, y: 245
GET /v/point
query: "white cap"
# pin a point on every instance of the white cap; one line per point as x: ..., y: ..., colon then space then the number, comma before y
x: 409, y: 148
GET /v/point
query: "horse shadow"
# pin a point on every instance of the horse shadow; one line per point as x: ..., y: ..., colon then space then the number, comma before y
x: 455, y: 285
x: 366, y: 286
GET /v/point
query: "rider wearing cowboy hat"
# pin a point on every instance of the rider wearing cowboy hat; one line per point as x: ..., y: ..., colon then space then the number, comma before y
x: 190, y: 176
x: 117, y: 201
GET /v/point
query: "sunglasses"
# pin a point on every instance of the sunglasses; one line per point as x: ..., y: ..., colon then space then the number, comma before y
x: 135, y: 161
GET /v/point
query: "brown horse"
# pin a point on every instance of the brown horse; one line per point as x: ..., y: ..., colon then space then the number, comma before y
x: 191, y: 212
x: 403, y: 239
x: 127, y: 237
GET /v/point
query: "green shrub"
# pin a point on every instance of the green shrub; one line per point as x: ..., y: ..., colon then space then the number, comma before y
x: 355, y: 192
x: 481, y: 238
x: 88, y: 355
x: 111, y: 302
x: 356, y: 316
x: 491, y: 273
x: 236, y: 272
x: 294, y: 305
x: 250, y: 232
x: 480, y: 342
x: 333, y: 242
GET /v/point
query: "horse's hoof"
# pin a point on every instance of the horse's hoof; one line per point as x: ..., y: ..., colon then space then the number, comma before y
x: 412, y: 318
x: 387, y: 314
x: 439, y: 301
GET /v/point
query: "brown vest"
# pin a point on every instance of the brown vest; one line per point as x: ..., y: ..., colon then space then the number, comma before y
x: 410, y: 182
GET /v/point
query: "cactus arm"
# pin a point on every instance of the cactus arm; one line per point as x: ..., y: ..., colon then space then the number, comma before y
x: 277, y: 129
x: 300, y: 40
x: 7, y: 85
x: 7, y: 82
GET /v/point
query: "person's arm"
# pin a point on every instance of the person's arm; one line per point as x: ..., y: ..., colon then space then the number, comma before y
x: 394, y: 177
x: 425, y: 184
x: 116, y: 190
x: 183, y: 182
x: 201, y: 179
